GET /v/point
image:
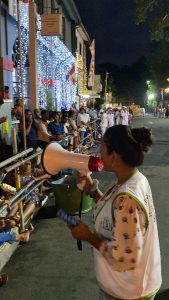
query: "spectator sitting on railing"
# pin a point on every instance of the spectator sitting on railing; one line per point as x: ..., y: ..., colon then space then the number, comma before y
x: 13, y: 217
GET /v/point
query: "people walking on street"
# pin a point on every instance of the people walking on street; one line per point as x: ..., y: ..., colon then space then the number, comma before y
x: 110, y: 117
x: 82, y: 123
x: 125, y: 116
x: 104, y: 122
x: 143, y: 111
x: 125, y: 240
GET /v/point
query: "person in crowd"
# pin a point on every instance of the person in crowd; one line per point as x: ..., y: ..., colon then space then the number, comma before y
x: 10, y: 237
x: 56, y: 127
x: 82, y: 123
x: 66, y: 125
x: 72, y: 122
x: 73, y: 131
x: 104, y: 122
x: 27, y: 173
x: 110, y: 118
x: 118, y: 117
x: 31, y: 131
x: 93, y: 113
x: 73, y: 108
x: 44, y: 137
x: 37, y: 115
x: 124, y: 115
x: 4, y: 94
x: 18, y: 111
x: 125, y: 240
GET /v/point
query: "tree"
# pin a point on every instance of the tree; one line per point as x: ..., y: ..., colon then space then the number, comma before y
x: 49, y: 102
x: 128, y: 84
x: 156, y: 13
x: 159, y: 64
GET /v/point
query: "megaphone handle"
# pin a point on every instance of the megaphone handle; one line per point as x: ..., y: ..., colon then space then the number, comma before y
x: 79, y: 242
x: 79, y: 245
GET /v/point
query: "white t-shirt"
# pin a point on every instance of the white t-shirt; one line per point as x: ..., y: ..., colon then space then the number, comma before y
x: 104, y: 120
x: 125, y: 117
x: 84, y: 118
x: 110, y: 118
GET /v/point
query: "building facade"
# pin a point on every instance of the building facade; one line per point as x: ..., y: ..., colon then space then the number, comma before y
x: 70, y: 54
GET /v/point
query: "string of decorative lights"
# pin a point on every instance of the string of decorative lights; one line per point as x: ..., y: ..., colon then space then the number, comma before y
x: 56, y: 89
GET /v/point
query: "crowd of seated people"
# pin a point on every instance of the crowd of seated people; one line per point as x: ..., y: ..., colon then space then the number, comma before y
x: 69, y: 128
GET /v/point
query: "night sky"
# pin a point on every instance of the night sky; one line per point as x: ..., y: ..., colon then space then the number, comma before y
x: 111, y: 23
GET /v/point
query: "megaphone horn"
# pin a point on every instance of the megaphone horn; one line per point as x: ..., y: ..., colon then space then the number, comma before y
x: 55, y: 158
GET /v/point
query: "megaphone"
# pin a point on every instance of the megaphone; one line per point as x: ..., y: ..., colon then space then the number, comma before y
x: 55, y: 158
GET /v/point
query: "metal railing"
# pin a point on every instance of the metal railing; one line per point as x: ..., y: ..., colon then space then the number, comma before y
x: 23, y: 192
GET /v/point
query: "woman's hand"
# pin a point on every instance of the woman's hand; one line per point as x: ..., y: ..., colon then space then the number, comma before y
x: 85, y: 181
x: 81, y: 231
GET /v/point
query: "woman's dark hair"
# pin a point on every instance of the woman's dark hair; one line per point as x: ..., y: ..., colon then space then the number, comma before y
x: 129, y: 143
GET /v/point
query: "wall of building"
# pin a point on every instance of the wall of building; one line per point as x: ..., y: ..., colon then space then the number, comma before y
x: 8, y: 34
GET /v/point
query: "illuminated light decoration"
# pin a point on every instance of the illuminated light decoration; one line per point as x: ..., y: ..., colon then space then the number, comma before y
x: 92, y: 65
x: 82, y: 75
x: 72, y: 75
x: 151, y: 96
x: 166, y: 90
x: 24, y: 36
x: 54, y: 62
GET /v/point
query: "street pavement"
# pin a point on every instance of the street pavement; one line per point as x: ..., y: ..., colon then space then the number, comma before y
x: 50, y: 267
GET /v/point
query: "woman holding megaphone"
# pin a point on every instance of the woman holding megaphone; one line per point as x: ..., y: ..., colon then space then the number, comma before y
x: 125, y: 240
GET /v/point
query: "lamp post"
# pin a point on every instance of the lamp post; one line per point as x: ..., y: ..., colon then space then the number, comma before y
x: 105, y: 92
x: 162, y: 97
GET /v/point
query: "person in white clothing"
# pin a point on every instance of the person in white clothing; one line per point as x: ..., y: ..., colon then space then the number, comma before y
x: 110, y: 117
x: 82, y: 122
x: 118, y: 117
x: 125, y: 240
x: 143, y: 111
x: 125, y: 116
x: 104, y: 122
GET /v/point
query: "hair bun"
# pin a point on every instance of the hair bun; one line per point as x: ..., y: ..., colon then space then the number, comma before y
x: 143, y: 137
